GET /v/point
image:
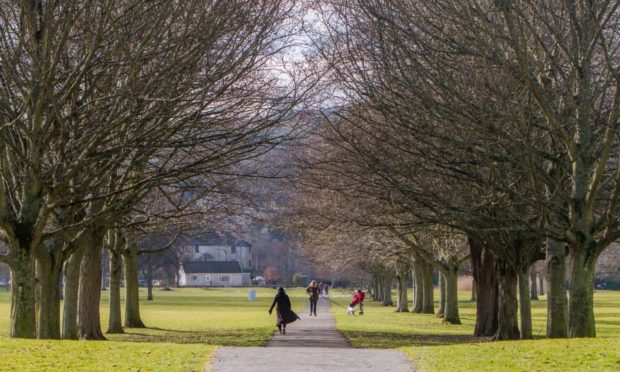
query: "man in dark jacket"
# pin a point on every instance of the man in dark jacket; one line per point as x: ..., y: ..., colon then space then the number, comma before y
x: 283, y: 310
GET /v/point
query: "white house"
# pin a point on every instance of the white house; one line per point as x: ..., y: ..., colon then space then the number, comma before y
x: 215, y: 247
x: 213, y: 274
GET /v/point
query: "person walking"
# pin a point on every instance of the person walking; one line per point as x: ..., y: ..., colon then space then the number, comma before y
x: 283, y: 310
x: 313, y: 292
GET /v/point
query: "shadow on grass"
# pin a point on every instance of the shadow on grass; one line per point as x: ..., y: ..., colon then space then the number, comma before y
x: 387, y: 340
x: 245, y: 337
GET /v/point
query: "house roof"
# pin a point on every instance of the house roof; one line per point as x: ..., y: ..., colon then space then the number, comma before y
x: 215, y: 267
x: 243, y: 243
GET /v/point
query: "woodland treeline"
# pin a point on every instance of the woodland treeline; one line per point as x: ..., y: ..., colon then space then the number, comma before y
x: 124, y: 121
x: 480, y: 131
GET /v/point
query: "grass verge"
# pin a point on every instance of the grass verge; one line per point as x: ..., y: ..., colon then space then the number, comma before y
x: 184, y: 326
x: 434, y: 346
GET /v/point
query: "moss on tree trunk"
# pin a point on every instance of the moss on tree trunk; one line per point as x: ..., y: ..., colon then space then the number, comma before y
x: 581, y: 300
x: 557, y: 302
x: 23, y: 324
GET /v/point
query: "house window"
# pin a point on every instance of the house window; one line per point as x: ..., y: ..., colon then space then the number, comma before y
x: 233, y: 249
x: 196, y: 249
x: 225, y: 278
x: 194, y: 277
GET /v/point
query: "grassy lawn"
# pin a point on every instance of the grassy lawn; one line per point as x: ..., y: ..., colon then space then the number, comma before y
x: 434, y: 346
x: 184, y: 326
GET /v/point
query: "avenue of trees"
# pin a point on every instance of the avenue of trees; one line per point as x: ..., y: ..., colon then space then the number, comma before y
x: 120, y: 120
x: 449, y: 132
x: 480, y: 130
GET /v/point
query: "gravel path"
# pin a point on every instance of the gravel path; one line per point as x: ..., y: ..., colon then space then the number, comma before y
x: 310, y: 344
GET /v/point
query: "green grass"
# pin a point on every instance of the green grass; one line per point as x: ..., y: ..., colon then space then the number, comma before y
x: 434, y: 346
x: 184, y: 326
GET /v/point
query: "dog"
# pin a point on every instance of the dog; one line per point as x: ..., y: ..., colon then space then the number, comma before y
x: 351, y: 310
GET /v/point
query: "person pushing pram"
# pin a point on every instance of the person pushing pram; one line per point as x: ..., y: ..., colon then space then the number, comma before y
x: 358, y: 299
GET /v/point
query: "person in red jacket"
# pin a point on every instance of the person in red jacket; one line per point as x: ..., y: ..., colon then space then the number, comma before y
x: 358, y: 299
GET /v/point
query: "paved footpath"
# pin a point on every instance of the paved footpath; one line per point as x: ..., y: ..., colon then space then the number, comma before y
x: 310, y: 344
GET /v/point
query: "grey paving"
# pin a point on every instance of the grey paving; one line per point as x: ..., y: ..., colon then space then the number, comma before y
x: 310, y: 344
x: 311, y: 331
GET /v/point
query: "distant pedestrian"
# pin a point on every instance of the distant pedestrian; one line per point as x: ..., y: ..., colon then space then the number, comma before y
x: 283, y: 310
x: 326, y: 289
x: 313, y: 292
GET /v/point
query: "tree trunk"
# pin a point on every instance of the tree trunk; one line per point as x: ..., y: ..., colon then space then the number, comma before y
x: 49, y: 269
x: 167, y: 281
x: 442, y: 295
x: 132, y: 288
x: 149, y: 281
x: 378, y: 295
x: 23, y: 323
x: 483, y: 270
x: 115, y: 322
x: 89, y: 298
x: 533, y: 284
x: 402, y: 305
x: 71, y: 290
x: 557, y: 302
x: 525, y: 306
x: 581, y: 300
x: 418, y: 298
x: 451, y: 311
x: 428, y: 302
x: 473, y: 290
x: 387, y: 290
x: 541, y: 280
x: 507, y: 328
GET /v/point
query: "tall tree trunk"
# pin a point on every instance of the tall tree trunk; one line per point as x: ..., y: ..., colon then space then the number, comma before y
x: 525, y: 305
x: 23, y: 323
x: 533, y: 284
x: 541, y: 281
x: 428, y: 302
x: 451, y: 311
x: 377, y: 288
x: 71, y: 290
x: 473, y: 290
x: 581, y: 300
x: 402, y: 305
x: 418, y: 298
x: 49, y: 269
x: 89, y: 298
x: 557, y: 302
x: 507, y: 328
x: 115, y: 322
x: 132, y: 288
x: 483, y: 267
x: 387, y: 289
x: 167, y: 281
x: 149, y: 281
x: 442, y: 295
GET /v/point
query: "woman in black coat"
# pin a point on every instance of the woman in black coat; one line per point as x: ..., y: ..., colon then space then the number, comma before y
x: 283, y: 310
